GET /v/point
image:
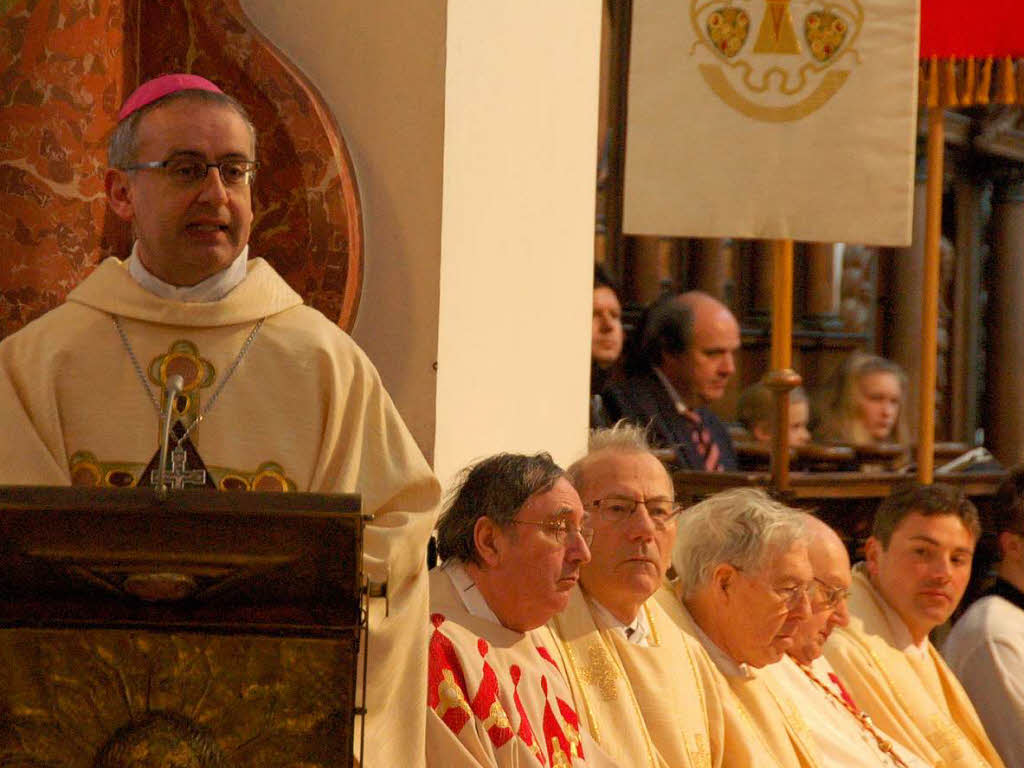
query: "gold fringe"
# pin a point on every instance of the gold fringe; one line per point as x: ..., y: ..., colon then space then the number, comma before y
x: 967, y: 98
x: 1007, y: 90
x: 949, y: 95
x: 984, y: 83
x: 970, y: 82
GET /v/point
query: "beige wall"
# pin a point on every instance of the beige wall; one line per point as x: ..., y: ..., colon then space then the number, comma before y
x: 517, y: 228
x: 379, y: 65
x: 487, y: 273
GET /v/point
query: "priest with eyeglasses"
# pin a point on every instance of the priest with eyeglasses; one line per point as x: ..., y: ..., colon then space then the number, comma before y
x: 844, y: 734
x: 264, y: 393
x: 641, y: 688
x: 513, y: 540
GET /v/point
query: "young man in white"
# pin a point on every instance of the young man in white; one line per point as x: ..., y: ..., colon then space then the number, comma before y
x: 918, y: 565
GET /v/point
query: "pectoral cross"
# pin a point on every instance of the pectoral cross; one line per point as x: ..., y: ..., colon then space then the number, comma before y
x: 179, y: 474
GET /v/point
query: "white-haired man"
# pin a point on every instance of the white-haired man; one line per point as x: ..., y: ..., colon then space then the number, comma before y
x: 647, y: 693
x: 744, y: 579
x: 843, y: 735
x: 512, y: 544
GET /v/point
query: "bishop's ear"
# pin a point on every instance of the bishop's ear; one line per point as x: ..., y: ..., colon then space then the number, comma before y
x: 117, y: 184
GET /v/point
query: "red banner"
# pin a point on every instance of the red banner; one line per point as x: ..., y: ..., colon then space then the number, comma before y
x: 978, y: 28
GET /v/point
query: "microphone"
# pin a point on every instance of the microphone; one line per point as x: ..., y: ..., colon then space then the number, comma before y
x: 175, y: 385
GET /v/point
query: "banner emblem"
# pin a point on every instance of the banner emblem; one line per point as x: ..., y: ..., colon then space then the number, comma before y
x: 776, y: 75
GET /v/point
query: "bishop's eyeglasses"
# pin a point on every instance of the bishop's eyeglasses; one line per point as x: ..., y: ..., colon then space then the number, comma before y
x: 187, y: 170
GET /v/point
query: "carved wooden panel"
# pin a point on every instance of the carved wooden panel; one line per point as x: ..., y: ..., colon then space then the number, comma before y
x: 203, y: 629
x: 120, y: 699
x: 68, y: 65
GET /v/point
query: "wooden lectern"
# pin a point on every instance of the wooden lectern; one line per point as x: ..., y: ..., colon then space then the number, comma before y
x: 197, y: 629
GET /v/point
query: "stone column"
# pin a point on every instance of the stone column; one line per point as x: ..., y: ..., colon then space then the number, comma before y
x: 1004, y: 390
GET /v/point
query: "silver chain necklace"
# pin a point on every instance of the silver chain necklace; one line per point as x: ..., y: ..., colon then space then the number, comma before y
x: 216, y: 393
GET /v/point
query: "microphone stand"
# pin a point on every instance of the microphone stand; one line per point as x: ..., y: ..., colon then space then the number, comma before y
x: 175, y: 384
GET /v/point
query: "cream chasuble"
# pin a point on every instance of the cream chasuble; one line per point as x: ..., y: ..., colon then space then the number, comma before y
x: 305, y: 410
x: 645, y: 705
x: 912, y: 696
x: 841, y: 738
x: 759, y: 728
x: 497, y: 698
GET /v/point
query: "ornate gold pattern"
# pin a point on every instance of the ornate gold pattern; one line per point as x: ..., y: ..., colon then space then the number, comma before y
x: 728, y: 29
x: 183, y: 359
x: 825, y: 33
x: 266, y: 702
x: 450, y: 695
x: 600, y: 672
x: 775, y: 79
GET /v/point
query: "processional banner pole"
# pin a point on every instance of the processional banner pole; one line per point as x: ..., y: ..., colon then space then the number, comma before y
x: 782, y: 378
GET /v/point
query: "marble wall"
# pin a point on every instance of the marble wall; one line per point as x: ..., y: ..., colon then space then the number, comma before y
x: 67, y: 65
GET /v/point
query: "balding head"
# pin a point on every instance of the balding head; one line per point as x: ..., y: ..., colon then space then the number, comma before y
x: 701, y: 371
x: 831, y: 565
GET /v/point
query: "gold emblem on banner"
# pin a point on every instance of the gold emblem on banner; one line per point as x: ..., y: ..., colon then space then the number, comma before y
x: 778, y: 74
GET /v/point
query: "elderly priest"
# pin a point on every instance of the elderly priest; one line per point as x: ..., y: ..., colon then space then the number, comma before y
x: 646, y: 692
x: 743, y: 585
x: 265, y: 393
x: 918, y: 564
x: 513, y: 543
x: 844, y: 734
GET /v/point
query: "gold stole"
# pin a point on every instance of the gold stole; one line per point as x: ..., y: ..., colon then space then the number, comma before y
x: 604, y: 698
x: 945, y: 717
x: 759, y: 728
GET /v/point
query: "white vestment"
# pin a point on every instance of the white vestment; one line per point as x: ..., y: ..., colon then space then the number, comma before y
x: 496, y: 698
x: 985, y: 650
x: 841, y: 738
x: 304, y: 410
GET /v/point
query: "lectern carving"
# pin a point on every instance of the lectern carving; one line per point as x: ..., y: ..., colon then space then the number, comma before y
x: 201, y: 629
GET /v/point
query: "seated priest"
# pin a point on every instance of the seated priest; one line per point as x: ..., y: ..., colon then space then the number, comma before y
x: 680, y: 363
x: 842, y: 732
x: 986, y: 647
x: 917, y: 568
x: 270, y: 394
x: 646, y: 692
x: 743, y: 584
x: 512, y: 542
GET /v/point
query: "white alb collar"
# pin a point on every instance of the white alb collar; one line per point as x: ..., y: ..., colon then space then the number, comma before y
x: 213, y: 288
x: 636, y: 632
x: 472, y: 598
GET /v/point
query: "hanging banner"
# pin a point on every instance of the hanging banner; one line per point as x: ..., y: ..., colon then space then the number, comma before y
x: 772, y: 119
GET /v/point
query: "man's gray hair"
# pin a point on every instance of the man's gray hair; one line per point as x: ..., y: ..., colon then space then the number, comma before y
x: 623, y: 437
x: 123, y: 148
x: 744, y: 527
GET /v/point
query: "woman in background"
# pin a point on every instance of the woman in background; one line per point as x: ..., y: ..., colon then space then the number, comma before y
x: 863, y: 402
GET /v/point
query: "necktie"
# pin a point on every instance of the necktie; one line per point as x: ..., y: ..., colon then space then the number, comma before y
x: 707, y: 449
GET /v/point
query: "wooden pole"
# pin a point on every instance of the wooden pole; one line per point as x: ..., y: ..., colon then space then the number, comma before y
x: 930, y: 297
x: 780, y: 377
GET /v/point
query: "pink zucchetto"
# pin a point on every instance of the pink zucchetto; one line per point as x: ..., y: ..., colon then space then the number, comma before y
x: 158, y: 87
